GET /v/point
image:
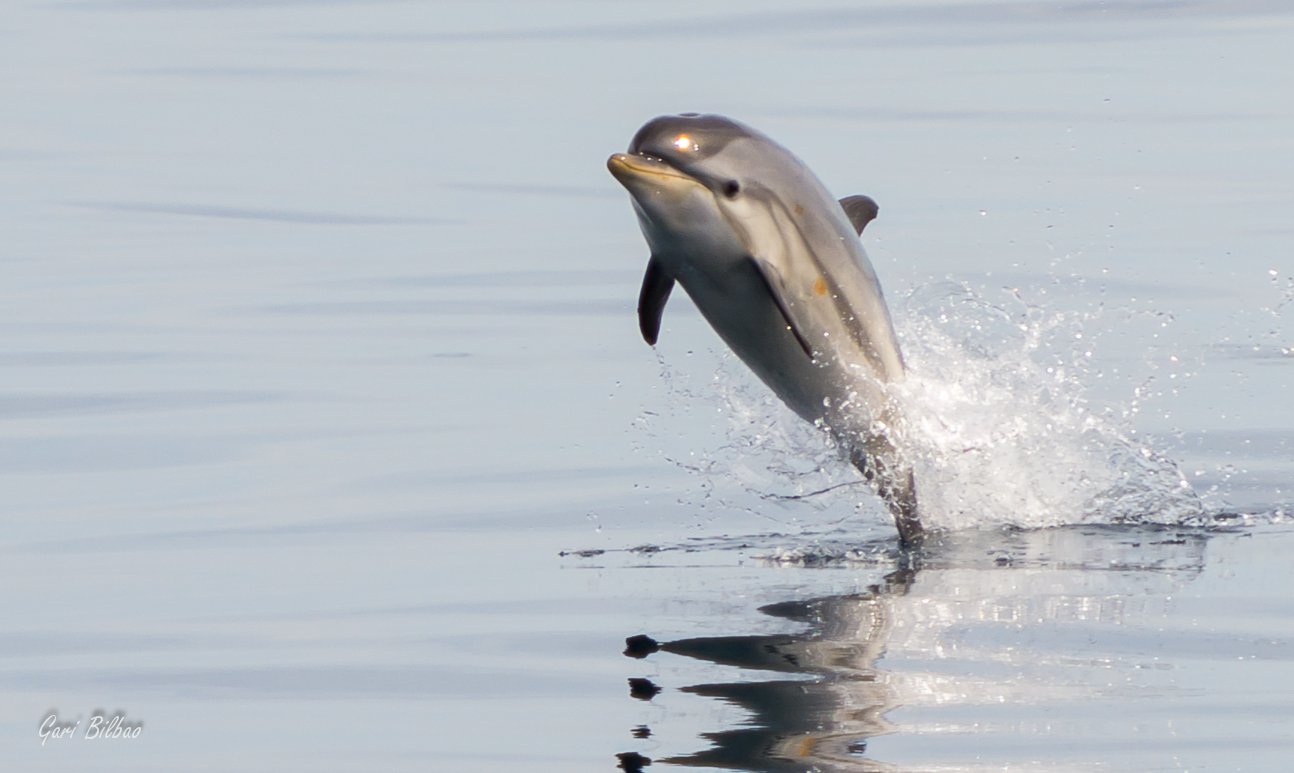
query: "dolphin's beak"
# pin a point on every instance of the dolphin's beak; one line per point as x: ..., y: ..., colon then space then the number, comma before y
x: 639, y: 169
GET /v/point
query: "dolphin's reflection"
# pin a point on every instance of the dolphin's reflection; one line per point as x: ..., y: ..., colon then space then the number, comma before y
x: 992, y: 619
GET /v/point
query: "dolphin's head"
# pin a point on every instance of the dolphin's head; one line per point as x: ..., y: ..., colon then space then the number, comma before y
x: 687, y: 175
x: 699, y: 146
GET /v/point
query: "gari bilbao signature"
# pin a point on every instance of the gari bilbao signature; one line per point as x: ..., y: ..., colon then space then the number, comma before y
x: 99, y: 727
x: 775, y: 265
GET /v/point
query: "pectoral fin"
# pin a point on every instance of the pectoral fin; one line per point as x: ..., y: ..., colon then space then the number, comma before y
x: 777, y: 290
x: 657, y: 285
x: 861, y: 211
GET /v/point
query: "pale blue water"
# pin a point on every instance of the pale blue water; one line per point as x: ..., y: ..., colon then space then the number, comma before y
x: 322, y: 386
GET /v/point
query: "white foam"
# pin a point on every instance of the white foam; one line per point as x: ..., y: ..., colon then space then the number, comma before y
x: 998, y: 425
x: 1001, y: 432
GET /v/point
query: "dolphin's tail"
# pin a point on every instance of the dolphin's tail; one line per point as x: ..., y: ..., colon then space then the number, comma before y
x: 901, y: 496
x: 894, y: 483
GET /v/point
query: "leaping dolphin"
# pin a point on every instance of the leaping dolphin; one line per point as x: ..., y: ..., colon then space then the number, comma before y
x: 775, y: 265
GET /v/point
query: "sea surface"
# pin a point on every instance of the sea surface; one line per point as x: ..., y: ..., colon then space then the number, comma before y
x: 328, y: 441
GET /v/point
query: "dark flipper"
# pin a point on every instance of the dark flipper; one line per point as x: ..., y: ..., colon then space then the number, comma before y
x: 651, y: 301
x: 861, y: 211
x: 773, y: 281
x: 894, y: 484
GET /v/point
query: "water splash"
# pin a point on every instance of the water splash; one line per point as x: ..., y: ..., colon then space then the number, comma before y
x: 999, y: 425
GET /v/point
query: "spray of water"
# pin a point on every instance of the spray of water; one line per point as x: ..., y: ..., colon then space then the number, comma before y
x: 1000, y: 429
x: 998, y: 426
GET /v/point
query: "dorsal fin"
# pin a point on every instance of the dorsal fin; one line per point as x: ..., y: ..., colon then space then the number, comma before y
x: 651, y: 301
x: 861, y: 211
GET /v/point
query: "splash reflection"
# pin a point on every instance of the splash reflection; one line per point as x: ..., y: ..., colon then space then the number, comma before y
x: 990, y: 627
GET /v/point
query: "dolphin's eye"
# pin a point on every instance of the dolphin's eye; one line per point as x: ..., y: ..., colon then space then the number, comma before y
x: 731, y: 189
x: 684, y: 142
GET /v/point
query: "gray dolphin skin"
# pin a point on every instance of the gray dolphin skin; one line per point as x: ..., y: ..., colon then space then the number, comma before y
x: 775, y: 265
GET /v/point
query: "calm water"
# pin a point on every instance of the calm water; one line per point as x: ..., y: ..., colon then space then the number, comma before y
x: 328, y: 440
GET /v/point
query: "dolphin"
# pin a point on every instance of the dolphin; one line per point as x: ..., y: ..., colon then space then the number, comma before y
x: 775, y: 265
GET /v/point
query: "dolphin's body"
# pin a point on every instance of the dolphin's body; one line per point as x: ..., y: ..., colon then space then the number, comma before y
x: 774, y: 263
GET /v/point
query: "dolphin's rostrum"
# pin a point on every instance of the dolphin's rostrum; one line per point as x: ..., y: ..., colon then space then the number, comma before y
x: 775, y: 265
